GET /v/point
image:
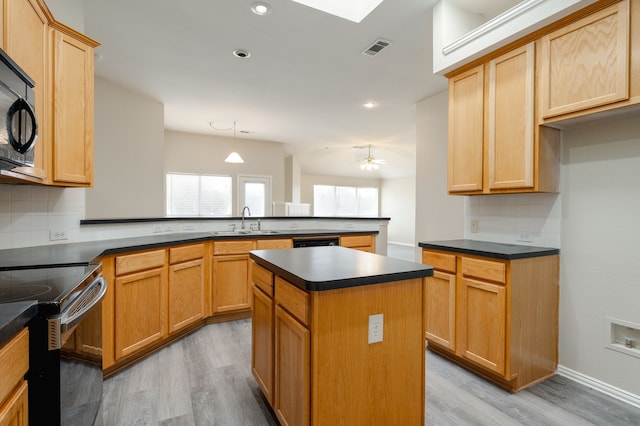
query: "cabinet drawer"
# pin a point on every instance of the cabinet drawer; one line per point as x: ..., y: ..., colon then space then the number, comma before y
x: 484, y: 269
x: 184, y: 253
x: 356, y: 240
x: 14, y: 363
x: 233, y: 247
x: 274, y: 244
x: 294, y: 300
x: 440, y: 261
x: 139, y: 262
x: 263, y: 279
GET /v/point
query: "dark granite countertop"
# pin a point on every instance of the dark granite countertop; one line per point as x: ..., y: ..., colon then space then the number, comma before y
x: 82, y: 253
x: 489, y: 249
x: 14, y: 317
x: 328, y: 268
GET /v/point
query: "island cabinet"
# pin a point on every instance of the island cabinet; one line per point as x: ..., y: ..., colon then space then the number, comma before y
x: 314, y: 350
x: 494, y: 146
x: 14, y: 363
x: 591, y: 64
x: 497, y: 317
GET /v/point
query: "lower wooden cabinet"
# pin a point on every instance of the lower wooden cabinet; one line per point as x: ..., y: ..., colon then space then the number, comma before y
x: 140, y: 310
x: 14, y: 363
x: 292, y: 363
x: 440, y: 309
x: 496, y: 317
x: 187, y: 287
x: 262, y: 335
x: 482, y: 324
x: 359, y: 242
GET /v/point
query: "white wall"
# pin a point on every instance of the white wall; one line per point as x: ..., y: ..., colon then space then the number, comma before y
x: 599, y: 259
x: 205, y: 154
x: 129, y: 155
x: 398, y: 202
x: 439, y: 216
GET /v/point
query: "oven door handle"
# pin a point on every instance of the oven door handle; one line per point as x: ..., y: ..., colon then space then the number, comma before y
x: 76, y: 312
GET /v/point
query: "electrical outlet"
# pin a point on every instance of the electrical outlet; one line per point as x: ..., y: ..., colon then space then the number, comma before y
x: 293, y: 225
x: 375, y: 328
x: 58, y: 234
x: 474, y: 226
x: 156, y: 229
x: 167, y: 228
x: 188, y: 227
x: 348, y: 225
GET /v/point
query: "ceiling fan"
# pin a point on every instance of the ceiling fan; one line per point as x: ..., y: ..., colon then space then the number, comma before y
x: 369, y: 163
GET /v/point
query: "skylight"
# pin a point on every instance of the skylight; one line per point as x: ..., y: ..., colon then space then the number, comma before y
x: 353, y: 10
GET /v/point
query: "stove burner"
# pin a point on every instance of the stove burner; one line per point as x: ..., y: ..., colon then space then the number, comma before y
x: 23, y: 292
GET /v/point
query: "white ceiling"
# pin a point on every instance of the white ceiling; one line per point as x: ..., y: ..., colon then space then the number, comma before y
x: 303, y: 85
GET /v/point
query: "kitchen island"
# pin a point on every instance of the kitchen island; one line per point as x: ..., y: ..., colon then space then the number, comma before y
x: 338, y: 336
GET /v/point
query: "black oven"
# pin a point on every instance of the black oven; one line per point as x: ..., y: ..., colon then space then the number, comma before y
x: 65, y: 342
x: 18, y: 123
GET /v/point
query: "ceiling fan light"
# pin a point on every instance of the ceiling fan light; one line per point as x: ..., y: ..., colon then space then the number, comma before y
x: 234, y: 157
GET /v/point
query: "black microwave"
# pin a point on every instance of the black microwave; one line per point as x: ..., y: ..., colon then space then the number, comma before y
x: 18, y: 123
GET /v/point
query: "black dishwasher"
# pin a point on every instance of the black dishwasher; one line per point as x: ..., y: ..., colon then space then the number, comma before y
x: 316, y: 242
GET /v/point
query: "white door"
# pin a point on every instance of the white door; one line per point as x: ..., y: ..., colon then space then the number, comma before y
x: 254, y: 192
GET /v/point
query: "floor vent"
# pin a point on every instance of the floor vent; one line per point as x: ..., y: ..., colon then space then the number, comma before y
x: 376, y: 47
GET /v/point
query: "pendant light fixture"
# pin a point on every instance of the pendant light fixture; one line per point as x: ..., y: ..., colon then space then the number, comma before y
x: 234, y: 157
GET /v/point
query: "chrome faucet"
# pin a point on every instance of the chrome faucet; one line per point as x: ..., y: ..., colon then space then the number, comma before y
x: 243, y: 209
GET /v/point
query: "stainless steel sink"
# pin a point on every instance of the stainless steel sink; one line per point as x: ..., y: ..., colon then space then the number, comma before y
x: 244, y: 232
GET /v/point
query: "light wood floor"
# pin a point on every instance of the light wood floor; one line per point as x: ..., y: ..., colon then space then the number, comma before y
x: 205, y: 379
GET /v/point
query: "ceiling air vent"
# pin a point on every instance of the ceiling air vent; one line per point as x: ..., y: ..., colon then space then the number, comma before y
x: 376, y: 47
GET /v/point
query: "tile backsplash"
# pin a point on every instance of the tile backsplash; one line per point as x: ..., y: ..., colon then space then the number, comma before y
x: 529, y: 219
x: 29, y: 213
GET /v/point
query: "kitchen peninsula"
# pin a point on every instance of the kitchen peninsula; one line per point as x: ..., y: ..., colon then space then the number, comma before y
x: 338, y: 336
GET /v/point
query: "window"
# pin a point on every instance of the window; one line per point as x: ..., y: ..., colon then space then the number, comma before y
x: 344, y: 201
x: 198, y: 195
x: 255, y: 193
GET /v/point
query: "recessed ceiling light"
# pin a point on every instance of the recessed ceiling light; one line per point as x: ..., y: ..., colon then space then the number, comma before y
x: 369, y: 104
x: 260, y: 8
x: 241, y: 53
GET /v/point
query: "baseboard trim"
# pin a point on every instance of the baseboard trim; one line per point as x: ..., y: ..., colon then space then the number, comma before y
x: 605, y: 388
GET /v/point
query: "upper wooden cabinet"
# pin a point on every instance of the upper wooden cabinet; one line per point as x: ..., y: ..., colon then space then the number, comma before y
x: 466, y: 124
x: 60, y: 61
x: 72, y: 108
x: 586, y: 63
x: 494, y: 146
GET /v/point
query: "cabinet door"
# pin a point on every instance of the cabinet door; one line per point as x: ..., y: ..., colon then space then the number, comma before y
x: 186, y: 294
x: 466, y: 110
x: 292, y: 366
x: 510, y: 142
x: 15, y: 411
x: 586, y: 64
x: 72, y: 113
x: 26, y: 32
x: 482, y: 313
x: 140, y: 310
x: 262, y: 335
x: 231, y: 283
x: 440, y: 309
